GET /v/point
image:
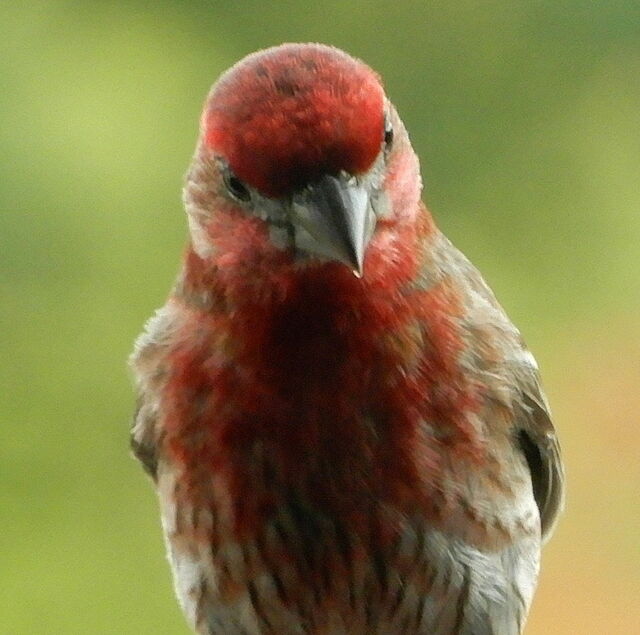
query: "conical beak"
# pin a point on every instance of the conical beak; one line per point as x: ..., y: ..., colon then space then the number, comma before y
x: 333, y: 218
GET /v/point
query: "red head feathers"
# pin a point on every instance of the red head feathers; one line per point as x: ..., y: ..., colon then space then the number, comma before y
x: 286, y: 115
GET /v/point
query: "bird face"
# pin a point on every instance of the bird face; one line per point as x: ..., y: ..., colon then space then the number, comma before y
x: 303, y: 141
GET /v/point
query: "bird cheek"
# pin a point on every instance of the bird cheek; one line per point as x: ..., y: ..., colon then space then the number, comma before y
x: 403, y: 184
x: 280, y: 237
x: 381, y: 204
x: 202, y: 243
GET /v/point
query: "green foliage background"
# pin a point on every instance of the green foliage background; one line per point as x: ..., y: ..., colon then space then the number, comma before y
x: 527, y: 117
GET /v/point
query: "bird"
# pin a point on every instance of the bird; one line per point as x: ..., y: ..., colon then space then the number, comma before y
x: 346, y: 433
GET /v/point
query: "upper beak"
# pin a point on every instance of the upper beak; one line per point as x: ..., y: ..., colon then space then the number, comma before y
x: 334, y: 218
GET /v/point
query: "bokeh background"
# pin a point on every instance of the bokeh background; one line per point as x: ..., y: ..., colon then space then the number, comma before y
x: 527, y: 117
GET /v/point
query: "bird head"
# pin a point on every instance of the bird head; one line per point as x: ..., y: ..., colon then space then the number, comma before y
x: 301, y: 153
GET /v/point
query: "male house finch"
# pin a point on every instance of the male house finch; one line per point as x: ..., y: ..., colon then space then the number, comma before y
x: 336, y: 453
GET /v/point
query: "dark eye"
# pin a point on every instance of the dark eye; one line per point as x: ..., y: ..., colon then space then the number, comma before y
x: 388, y: 134
x: 236, y: 187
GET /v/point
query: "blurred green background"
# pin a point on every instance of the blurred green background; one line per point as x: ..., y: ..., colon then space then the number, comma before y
x: 527, y: 117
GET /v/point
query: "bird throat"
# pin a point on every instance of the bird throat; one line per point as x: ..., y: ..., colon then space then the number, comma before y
x: 318, y: 391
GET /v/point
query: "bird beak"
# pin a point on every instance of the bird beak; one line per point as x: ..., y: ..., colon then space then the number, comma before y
x: 333, y: 218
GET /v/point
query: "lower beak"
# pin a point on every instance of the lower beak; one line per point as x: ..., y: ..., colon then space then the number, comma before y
x: 333, y: 218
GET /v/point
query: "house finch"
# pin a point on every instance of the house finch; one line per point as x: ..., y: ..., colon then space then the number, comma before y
x: 346, y: 432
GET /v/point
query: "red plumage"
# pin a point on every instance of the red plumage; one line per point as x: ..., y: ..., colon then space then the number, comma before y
x: 284, y: 116
x: 336, y: 454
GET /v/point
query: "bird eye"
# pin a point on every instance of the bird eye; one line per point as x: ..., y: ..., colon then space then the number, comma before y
x: 236, y: 187
x: 388, y: 134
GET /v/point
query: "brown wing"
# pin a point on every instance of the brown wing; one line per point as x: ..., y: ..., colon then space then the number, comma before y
x: 504, y: 364
x: 537, y: 440
x: 142, y: 439
x: 149, y: 366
